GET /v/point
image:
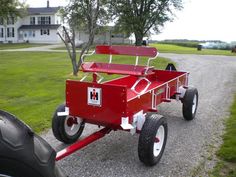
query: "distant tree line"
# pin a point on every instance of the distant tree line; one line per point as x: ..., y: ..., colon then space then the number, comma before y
x: 209, y: 44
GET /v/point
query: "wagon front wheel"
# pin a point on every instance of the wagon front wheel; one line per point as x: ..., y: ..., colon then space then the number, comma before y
x: 152, y: 139
x: 66, y: 129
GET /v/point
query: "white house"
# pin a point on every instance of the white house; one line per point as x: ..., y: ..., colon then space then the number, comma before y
x: 38, y: 26
x: 106, y: 36
x: 103, y: 38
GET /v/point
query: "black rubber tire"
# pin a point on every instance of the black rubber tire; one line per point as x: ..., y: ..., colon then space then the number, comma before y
x: 188, y: 101
x: 23, y: 153
x: 58, y: 127
x: 147, y: 138
x: 170, y: 67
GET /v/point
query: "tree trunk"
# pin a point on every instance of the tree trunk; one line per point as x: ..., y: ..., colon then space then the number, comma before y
x: 73, y: 61
x: 72, y: 54
x: 138, y: 39
x: 86, y: 48
x: 73, y: 58
x: 92, y: 17
x: 75, y: 67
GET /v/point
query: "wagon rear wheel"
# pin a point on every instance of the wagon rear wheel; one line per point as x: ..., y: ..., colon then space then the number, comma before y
x: 23, y: 153
x: 66, y: 129
x: 190, y: 103
x: 152, y: 139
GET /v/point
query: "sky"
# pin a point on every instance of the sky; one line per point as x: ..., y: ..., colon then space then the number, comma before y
x: 199, y: 20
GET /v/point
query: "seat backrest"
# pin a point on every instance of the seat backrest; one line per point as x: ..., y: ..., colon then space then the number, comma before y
x: 126, y: 50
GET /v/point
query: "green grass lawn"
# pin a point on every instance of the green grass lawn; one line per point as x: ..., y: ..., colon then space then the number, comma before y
x: 32, y: 84
x: 19, y: 46
x: 226, y: 167
x: 59, y: 48
x: 168, y: 48
x: 78, y: 48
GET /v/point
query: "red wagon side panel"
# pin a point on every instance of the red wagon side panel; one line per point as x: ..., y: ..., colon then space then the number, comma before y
x: 109, y: 113
x: 119, y: 100
x: 144, y: 103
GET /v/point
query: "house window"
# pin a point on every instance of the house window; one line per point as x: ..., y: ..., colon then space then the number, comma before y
x: 31, y: 33
x: 1, y: 21
x: 10, y: 20
x: 32, y: 20
x: 39, y: 21
x: 1, y: 33
x: 10, y: 32
x: 49, y: 20
x: 45, y: 32
x: 44, y: 20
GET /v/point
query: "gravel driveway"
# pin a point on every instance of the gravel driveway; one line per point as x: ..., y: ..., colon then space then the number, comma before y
x: 187, y: 143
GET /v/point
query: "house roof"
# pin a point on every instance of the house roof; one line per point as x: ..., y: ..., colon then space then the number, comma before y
x: 23, y: 27
x: 42, y: 10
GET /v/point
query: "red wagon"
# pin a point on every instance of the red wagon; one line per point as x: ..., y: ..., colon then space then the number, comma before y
x: 127, y: 103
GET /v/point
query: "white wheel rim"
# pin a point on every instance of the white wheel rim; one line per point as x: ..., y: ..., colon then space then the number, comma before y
x: 74, y: 128
x: 159, y: 141
x: 194, y: 104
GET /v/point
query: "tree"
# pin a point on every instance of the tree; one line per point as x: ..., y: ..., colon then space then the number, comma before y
x: 9, y: 11
x: 10, y: 8
x: 142, y: 16
x: 84, y: 15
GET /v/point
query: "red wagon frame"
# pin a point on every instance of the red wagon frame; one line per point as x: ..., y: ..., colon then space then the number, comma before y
x: 122, y: 103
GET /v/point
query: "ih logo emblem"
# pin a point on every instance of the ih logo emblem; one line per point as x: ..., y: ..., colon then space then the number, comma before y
x: 94, y: 96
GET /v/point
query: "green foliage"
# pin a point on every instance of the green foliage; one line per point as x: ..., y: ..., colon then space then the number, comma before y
x: 11, y: 8
x: 85, y: 13
x: 224, y: 169
x: 227, y: 151
x: 140, y: 16
x: 33, y: 83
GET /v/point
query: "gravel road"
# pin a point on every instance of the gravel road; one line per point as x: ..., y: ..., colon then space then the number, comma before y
x: 188, y: 142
